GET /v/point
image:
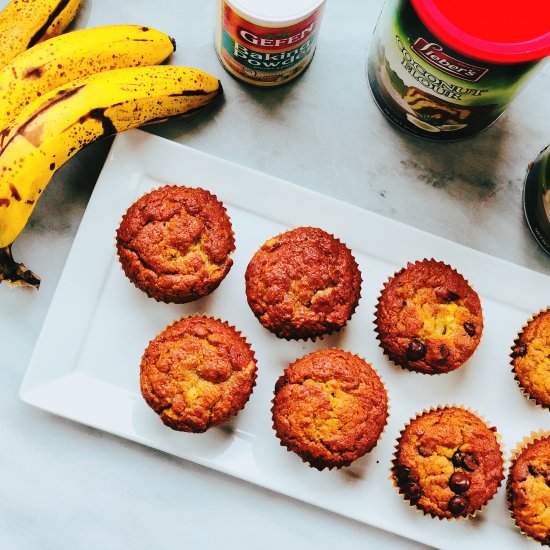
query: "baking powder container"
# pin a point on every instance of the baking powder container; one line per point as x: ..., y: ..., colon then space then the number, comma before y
x: 444, y: 70
x: 536, y: 198
x: 267, y: 42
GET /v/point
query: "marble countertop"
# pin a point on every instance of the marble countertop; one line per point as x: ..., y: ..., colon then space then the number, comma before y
x: 69, y: 486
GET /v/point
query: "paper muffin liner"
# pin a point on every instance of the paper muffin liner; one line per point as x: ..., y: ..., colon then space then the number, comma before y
x: 522, y: 446
x: 231, y: 252
x: 393, y: 479
x: 238, y: 333
x: 322, y: 467
x: 394, y: 359
x: 523, y: 389
x: 318, y: 337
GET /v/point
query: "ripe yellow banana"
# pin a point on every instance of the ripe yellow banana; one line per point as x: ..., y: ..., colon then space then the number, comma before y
x: 52, y: 129
x: 75, y: 55
x: 24, y: 23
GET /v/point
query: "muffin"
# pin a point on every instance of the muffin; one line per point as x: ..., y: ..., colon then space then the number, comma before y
x: 174, y: 243
x: 428, y: 318
x: 197, y: 373
x: 303, y: 283
x: 531, y: 358
x: 448, y: 463
x: 330, y: 408
x: 529, y: 489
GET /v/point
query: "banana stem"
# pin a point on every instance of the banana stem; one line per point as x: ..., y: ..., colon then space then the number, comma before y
x: 14, y: 273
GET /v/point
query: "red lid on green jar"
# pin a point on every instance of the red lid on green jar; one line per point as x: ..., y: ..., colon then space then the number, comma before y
x: 500, y: 31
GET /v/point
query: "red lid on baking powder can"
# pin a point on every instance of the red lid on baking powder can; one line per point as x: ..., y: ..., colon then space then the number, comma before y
x: 444, y: 70
x: 267, y: 43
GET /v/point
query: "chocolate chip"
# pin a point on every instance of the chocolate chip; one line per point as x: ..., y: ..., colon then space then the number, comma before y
x: 469, y: 462
x: 457, y: 505
x: 444, y: 351
x: 412, y: 490
x: 459, y: 482
x: 519, y: 350
x: 470, y: 329
x: 416, y: 350
x: 457, y: 459
x: 446, y: 295
x: 452, y: 297
x: 402, y: 472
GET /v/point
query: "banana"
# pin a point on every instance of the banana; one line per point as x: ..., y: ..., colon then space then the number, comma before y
x: 52, y: 129
x: 24, y: 23
x: 75, y: 55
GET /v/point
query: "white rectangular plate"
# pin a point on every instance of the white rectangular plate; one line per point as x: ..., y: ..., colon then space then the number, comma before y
x: 86, y: 362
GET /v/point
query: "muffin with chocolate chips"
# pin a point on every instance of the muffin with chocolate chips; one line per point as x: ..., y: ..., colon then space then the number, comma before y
x: 528, y: 489
x: 428, y: 318
x: 448, y: 463
x: 174, y: 243
x: 303, y: 283
x: 197, y: 373
x: 531, y: 358
x: 330, y: 408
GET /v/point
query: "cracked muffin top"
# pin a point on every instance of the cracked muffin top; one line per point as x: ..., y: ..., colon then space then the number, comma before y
x: 448, y: 463
x: 174, y: 243
x: 429, y: 318
x: 529, y: 490
x: 531, y: 358
x: 197, y: 373
x: 330, y: 408
x: 303, y: 283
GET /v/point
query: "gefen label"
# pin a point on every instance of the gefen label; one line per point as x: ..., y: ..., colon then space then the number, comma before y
x: 434, y: 54
x: 266, y: 55
x: 427, y: 88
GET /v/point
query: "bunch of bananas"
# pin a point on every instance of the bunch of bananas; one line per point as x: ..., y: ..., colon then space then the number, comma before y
x: 70, y: 90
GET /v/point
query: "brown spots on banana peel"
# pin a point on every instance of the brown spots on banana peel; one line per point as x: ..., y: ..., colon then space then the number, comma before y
x: 33, y: 73
x: 5, y: 202
x: 14, y: 192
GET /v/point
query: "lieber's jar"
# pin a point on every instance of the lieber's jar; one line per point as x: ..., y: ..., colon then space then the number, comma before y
x: 443, y: 69
x: 267, y: 42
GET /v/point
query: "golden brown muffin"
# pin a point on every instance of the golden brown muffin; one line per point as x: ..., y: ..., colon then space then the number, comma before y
x: 330, y: 408
x: 429, y: 318
x: 197, y: 373
x: 303, y: 283
x: 448, y: 463
x: 174, y: 243
x: 531, y: 358
x: 528, y: 490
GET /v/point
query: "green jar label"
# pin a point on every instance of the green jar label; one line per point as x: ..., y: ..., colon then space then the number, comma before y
x: 429, y: 89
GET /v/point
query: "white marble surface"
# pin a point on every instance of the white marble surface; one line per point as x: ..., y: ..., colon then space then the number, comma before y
x: 64, y: 485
